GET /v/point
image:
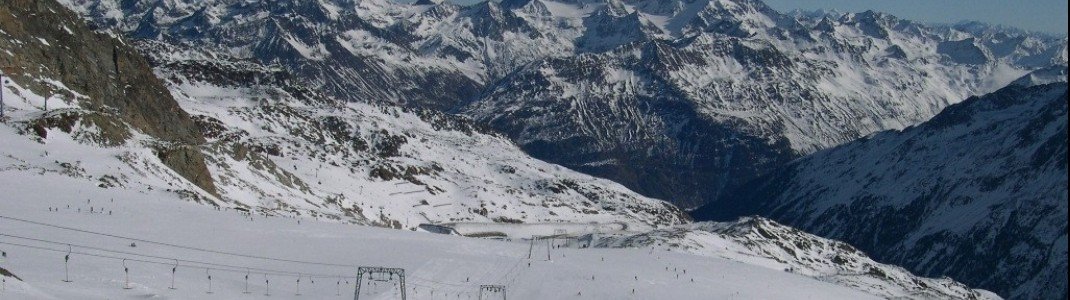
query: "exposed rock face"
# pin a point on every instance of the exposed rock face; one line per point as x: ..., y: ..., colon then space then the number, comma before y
x: 188, y: 161
x: 99, y: 73
x: 978, y: 193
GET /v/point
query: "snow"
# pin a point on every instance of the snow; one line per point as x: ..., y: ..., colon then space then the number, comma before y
x: 531, y: 230
x: 762, y: 242
x: 1048, y: 75
x: 313, y: 52
x: 854, y: 100
x: 567, y: 10
x: 330, y: 8
x: 471, y: 167
x: 450, y: 265
x: 960, y: 178
x: 145, y: 208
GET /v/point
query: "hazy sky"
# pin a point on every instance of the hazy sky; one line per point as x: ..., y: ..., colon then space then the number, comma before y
x: 1037, y: 15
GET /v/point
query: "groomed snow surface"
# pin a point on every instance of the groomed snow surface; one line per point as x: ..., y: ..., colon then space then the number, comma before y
x: 453, y: 266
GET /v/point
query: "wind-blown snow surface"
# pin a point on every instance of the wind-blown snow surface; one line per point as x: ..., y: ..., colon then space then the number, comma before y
x: 978, y: 193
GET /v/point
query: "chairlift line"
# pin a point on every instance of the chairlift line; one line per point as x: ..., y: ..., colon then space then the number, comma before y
x: 283, y: 273
x: 174, y: 263
x: 126, y: 271
x: 176, y: 245
x: 246, y: 282
x: 66, y: 260
x: 240, y: 270
x: 260, y: 270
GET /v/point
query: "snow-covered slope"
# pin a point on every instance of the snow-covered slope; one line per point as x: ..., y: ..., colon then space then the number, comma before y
x: 275, y: 144
x: 978, y: 193
x: 264, y: 142
x: 450, y: 267
x: 675, y: 99
x: 67, y: 181
x: 285, y: 167
x: 120, y: 224
x: 759, y: 241
x: 278, y: 148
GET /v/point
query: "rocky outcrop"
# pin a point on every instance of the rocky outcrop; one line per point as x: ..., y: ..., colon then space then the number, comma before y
x: 98, y: 72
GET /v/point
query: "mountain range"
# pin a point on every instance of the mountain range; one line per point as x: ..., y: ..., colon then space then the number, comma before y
x: 677, y: 100
x: 977, y: 193
x: 846, y: 125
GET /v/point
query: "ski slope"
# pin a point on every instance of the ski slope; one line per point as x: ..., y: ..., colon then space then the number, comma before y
x: 126, y: 191
x: 452, y: 266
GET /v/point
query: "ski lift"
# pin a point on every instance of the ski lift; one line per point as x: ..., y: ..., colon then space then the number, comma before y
x: 66, y: 261
x: 246, y: 281
x: 267, y: 283
x: 126, y: 270
x: 173, y: 270
x: 298, y: 293
x: 207, y: 271
x: 381, y: 277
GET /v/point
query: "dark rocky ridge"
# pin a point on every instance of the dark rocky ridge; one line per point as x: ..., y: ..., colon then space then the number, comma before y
x: 114, y: 78
x: 978, y: 193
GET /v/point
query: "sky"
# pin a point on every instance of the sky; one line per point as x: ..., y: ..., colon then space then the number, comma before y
x: 1048, y: 16
x: 1036, y: 15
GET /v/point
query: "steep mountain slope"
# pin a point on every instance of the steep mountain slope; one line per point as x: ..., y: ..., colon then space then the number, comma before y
x: 759, y: 241
x: 52, y: 52
x: 978, y: 193
x: 675, y: 99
